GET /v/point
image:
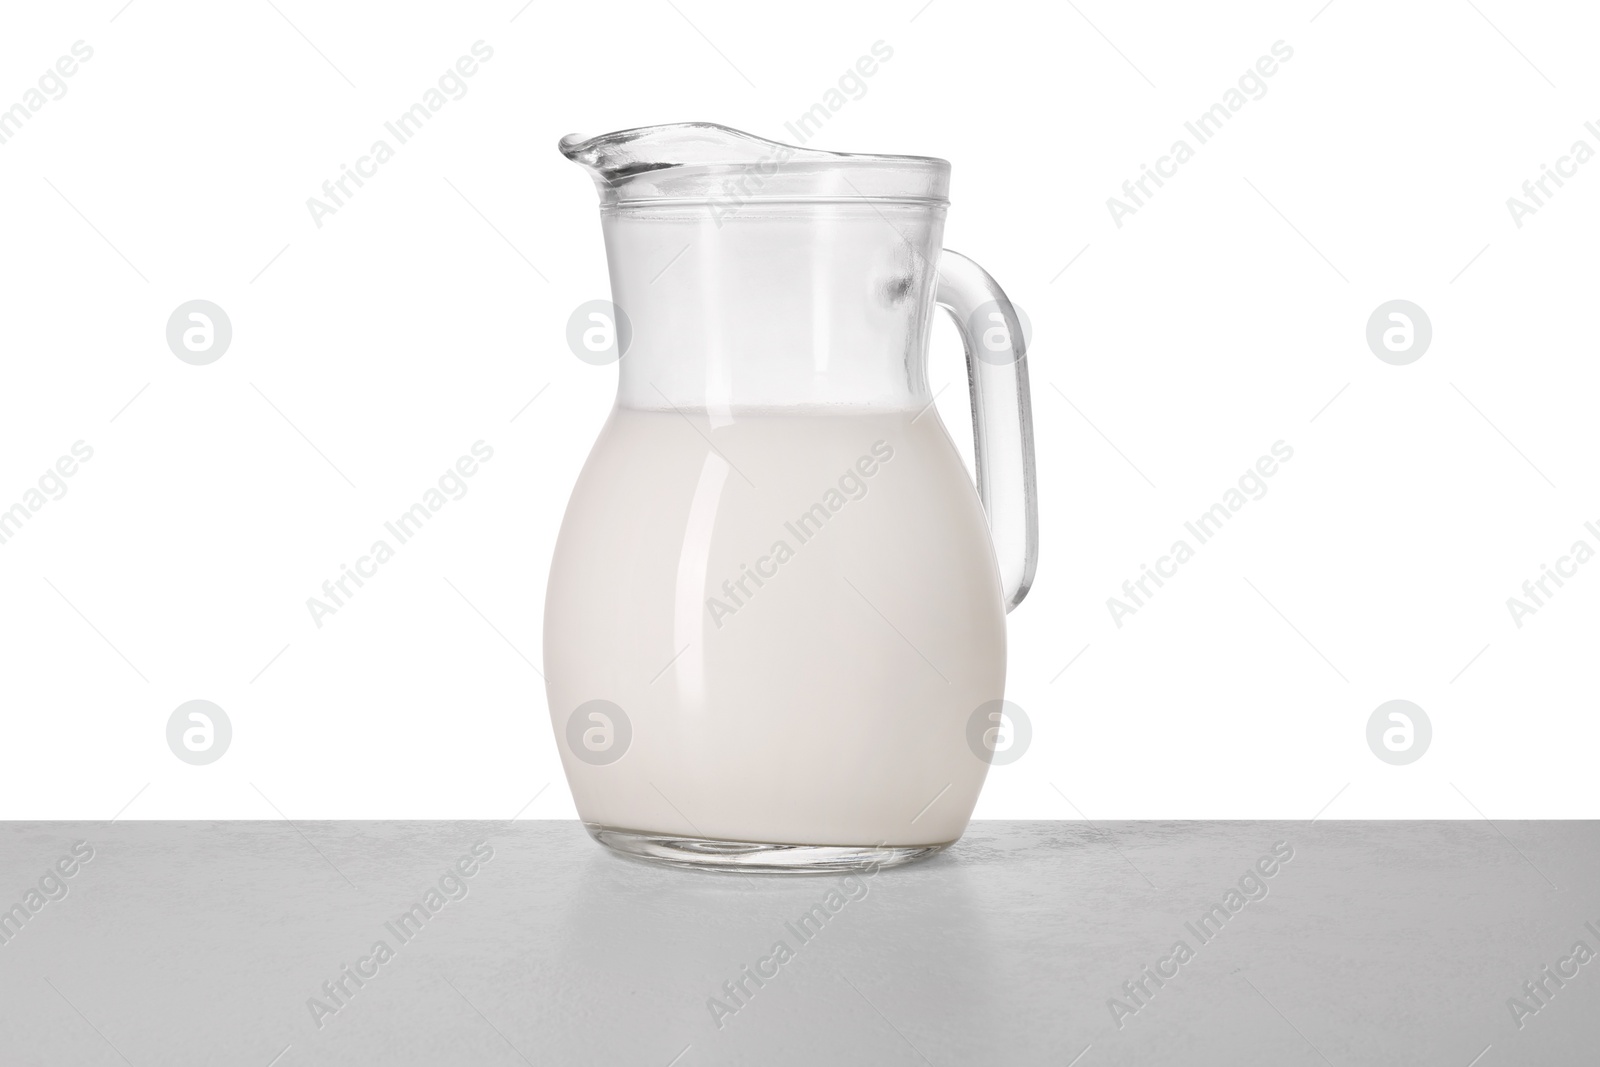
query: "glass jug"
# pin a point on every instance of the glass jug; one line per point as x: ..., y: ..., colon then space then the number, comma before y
x: 774, y: 632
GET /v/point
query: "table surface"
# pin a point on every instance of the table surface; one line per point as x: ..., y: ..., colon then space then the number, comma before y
x: 1374, y: 943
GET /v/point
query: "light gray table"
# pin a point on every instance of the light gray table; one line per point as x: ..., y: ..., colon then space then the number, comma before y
x: 1377, y: 943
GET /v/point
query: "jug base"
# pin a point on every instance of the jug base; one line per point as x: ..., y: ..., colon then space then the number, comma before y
x: 709, y: 854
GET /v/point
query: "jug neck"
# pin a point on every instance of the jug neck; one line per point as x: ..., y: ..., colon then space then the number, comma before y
x: 775, y: 305
x: 761, y: 275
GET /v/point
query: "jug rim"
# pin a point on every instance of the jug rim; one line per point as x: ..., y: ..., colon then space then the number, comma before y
x: 710, y: 162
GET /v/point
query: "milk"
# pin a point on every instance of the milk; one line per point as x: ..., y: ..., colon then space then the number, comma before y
x: 798, y: 613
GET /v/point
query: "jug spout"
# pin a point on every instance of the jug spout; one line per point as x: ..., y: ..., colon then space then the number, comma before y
x: 704, y: 161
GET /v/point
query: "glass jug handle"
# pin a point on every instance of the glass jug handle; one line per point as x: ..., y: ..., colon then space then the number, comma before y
x: 1002, y: 416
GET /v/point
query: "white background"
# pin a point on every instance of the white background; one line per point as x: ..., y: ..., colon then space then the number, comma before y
x: 1172, y: 352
